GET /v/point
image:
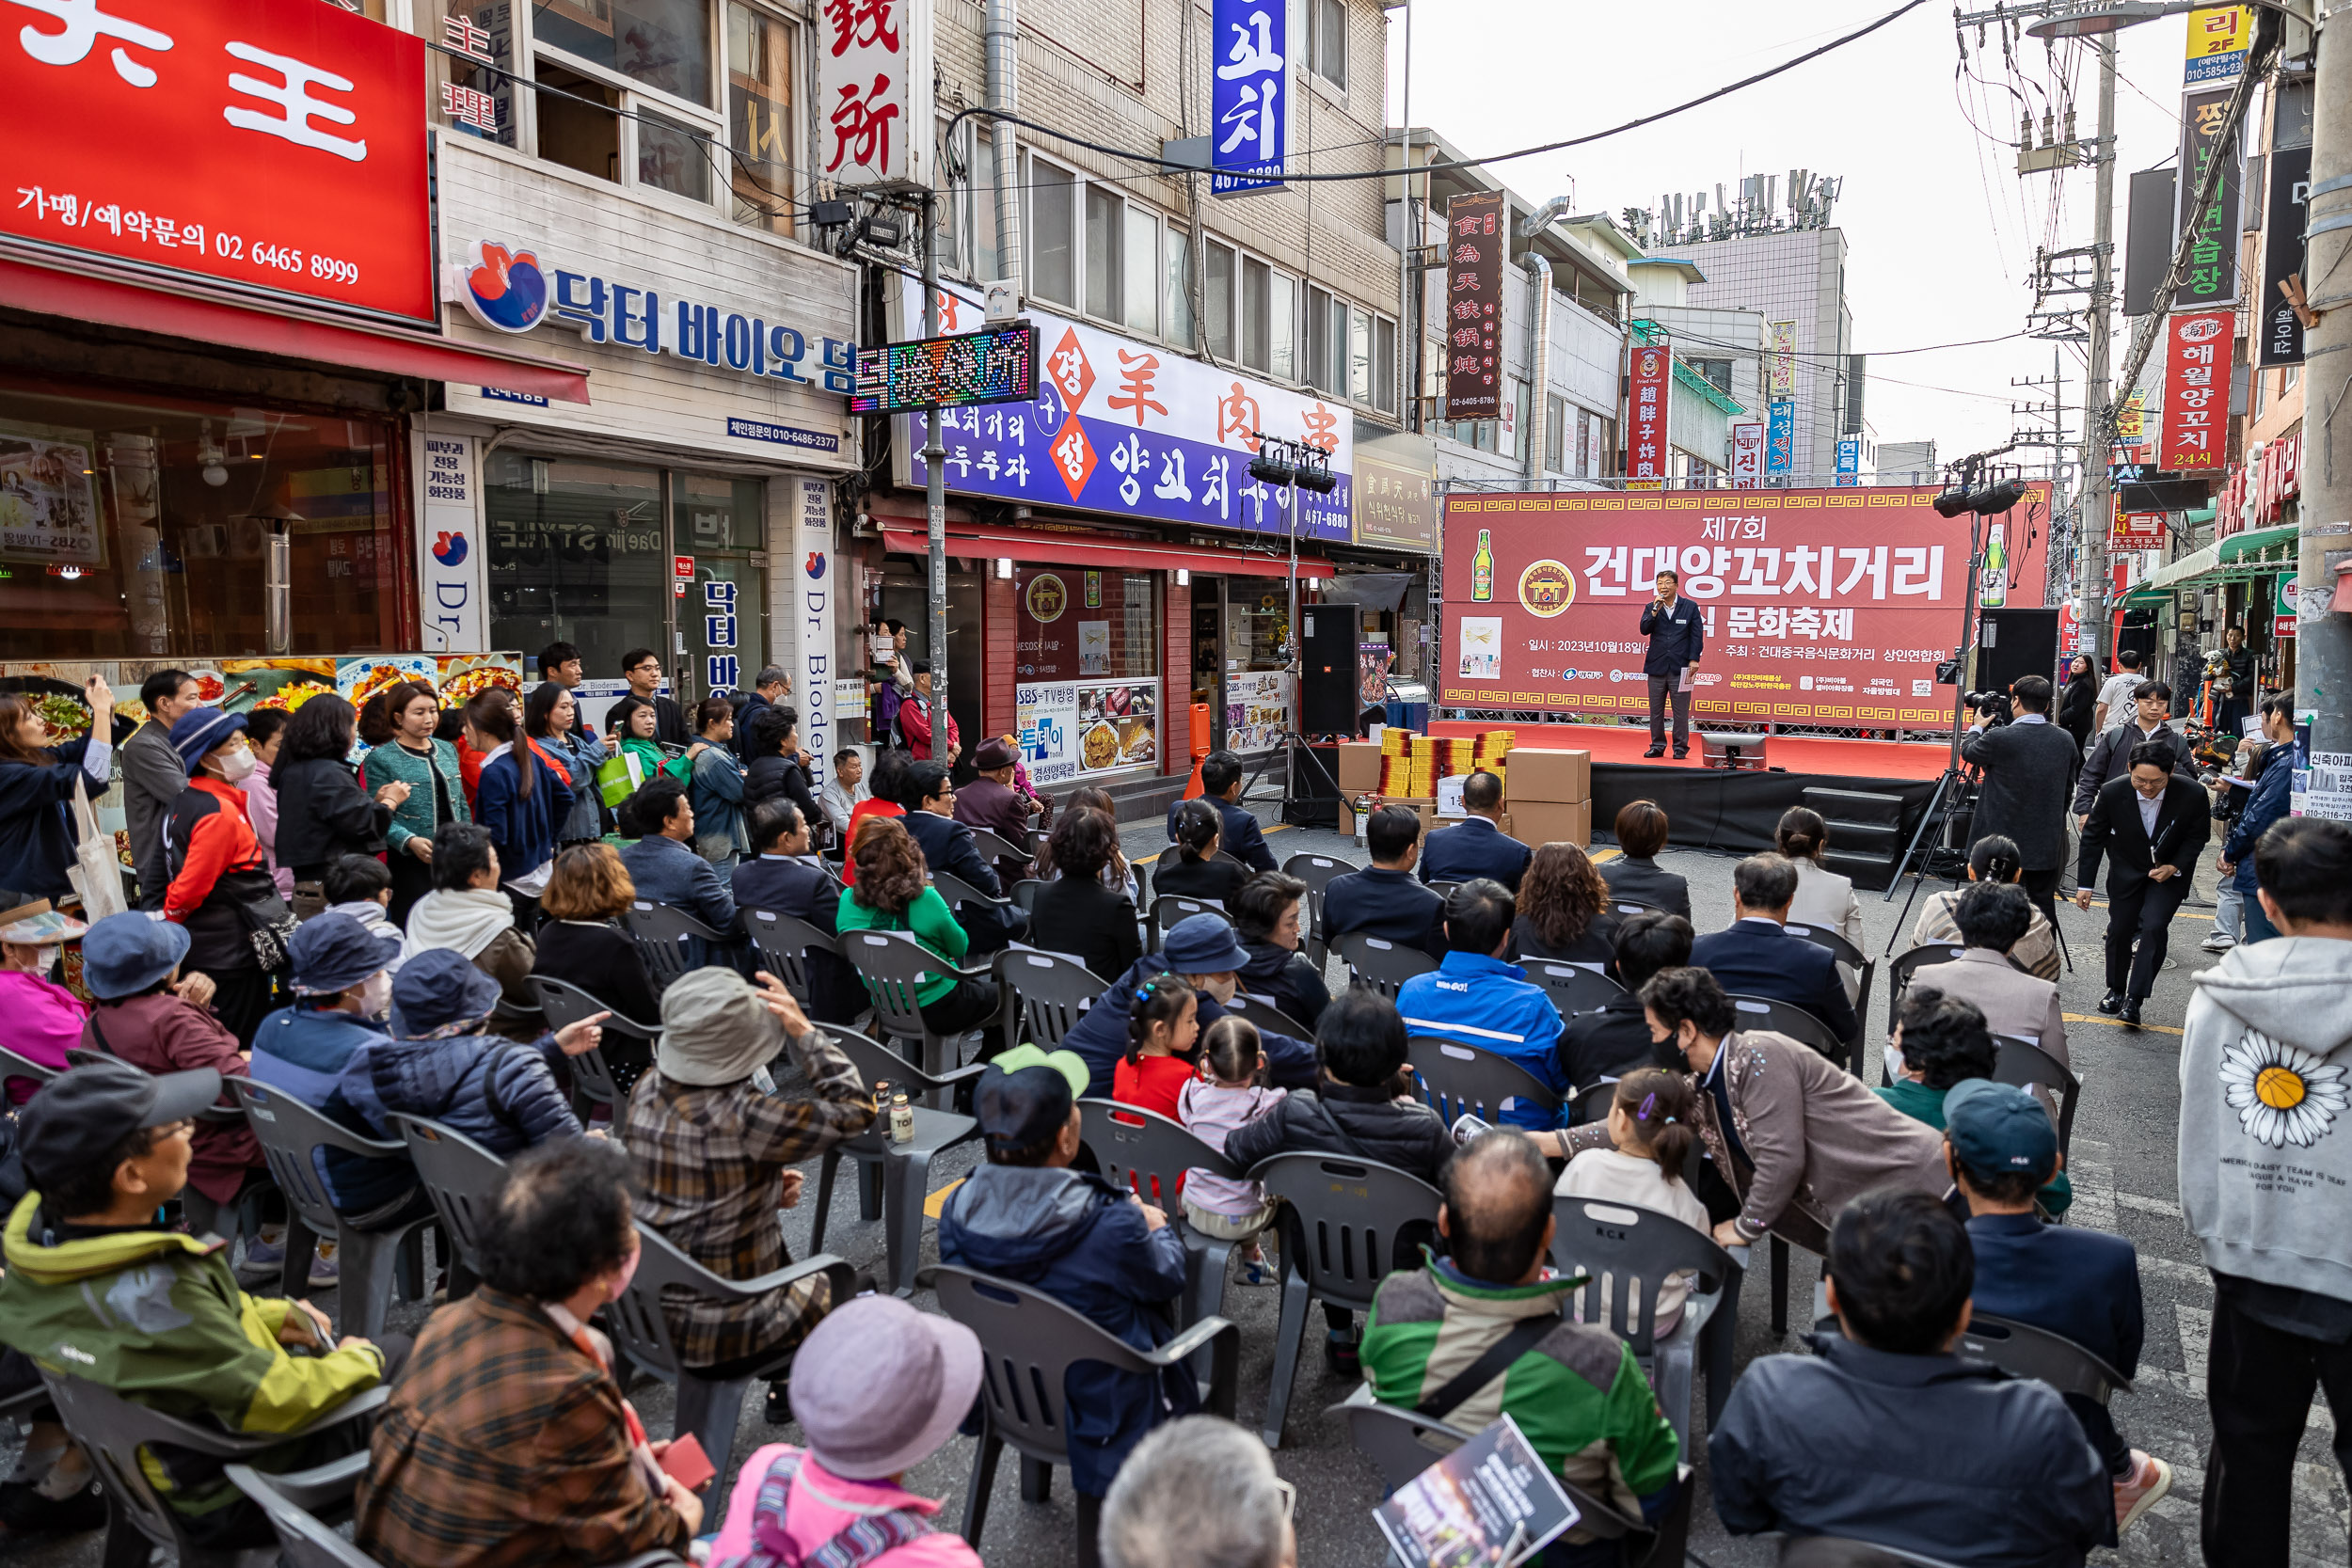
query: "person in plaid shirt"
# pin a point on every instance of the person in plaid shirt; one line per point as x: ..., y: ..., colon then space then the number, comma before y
x: 714, y: 1151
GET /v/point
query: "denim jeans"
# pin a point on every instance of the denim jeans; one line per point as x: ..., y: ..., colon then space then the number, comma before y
x: 2225, y: 912
x: 2258, y: 925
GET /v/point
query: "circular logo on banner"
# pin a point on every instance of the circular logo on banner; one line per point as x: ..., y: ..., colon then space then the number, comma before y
x: 1546, y: 588
x: 506, y: 290
x: 2195, y: 329
x: 1047, y: 598
x: 1649, y: 361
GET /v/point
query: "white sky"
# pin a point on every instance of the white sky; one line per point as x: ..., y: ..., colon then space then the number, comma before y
x: 1941, y: 230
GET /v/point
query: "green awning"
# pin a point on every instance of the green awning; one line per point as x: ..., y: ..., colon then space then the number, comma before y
x: 2259, y: 541
x: 2195, y: 564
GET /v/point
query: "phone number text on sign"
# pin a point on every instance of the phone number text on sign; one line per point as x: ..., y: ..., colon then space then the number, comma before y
x: 75, y: 211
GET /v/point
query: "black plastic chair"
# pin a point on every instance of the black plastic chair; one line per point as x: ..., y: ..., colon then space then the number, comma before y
x: 303, y: 1506
x: 290, y: 1134
x: 1348, y: 1225
x: 1635, y: 1249
x: 1625, y: 909
x: 711, y: 1408
x: 1574, y: 987
x: 13, y: 1065
x: 1169, y: 909
x: 1045, y: 994
x: 1318, y: 872
x: 1029, y: 1343
x: 1847, y: 955
x: 894, y: 964
x: 958, y: 895
x: 994, y: 847
x: 2037, y: 1354
x: 904, y: 1168
x: 1459, y: 1079
x: 1783, y: 1018
x: 593, y: 1083
x: 1442, y: 888
x: 2023, y: 1062
x: 1382, y: 964
x: 1024, y: 894
x: 461, y: 1178
x: 781, y: 944
x: 111, y: 1430
x: 1269, y: 1017
x: 1900, y: 968
x: 671, y: 941
x: 1149, y: 1154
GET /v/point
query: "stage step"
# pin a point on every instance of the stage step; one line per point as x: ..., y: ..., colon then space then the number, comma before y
x: 1865, y: 833
x: 1855, y: 805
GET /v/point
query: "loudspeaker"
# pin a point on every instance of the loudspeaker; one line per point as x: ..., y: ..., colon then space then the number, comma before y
x: 1327, y: 687
x: 2016, y: 643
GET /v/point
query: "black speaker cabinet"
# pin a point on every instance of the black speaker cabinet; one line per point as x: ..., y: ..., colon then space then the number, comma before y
x: 1327, y: 662
x: 2016, y: 643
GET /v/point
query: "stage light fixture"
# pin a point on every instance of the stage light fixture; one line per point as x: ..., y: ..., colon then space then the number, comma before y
x: 1272, y: 470
x: 1998, y: 499
x: 1952, y: 503
x: 1319, y: 481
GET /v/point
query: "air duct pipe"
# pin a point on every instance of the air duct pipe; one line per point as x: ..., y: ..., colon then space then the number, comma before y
x: 1539, y: 341
x: 1004, y: 95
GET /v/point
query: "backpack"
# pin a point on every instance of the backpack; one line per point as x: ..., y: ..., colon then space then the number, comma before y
x: 874, y: 1536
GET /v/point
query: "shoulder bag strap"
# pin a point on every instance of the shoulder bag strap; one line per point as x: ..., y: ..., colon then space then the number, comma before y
x: 1347, y: 1141
x: 1524, y: 1338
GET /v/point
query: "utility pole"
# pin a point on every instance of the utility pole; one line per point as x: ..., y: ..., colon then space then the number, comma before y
x: 2090, y: 538
x: 936, y: 494
x: 2323, y: 655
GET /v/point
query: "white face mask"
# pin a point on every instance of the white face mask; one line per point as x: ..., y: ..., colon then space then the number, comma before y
x: 1224, y: 990
x: 375, y: 995
x: 46, y: 959
x: 236, y: 765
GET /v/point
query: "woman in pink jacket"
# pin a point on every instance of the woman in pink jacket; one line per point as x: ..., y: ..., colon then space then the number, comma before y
x: 877, y: 1388
x: 44, y: 1018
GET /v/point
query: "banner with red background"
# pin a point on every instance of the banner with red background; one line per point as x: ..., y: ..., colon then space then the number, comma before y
x: 1822, y: 607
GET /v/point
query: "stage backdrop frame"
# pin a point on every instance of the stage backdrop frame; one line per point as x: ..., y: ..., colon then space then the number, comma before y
x: 1548, y: 588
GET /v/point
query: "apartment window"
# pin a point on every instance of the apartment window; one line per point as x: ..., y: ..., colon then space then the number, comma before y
x: 493, y: 21
x: 1257, y: 288
x: 1716, y: 371
x: 673, y: 157
x: 1555, y: 432
x: 1283, y: 327
x: 1384, y: 365
x: 1217, y: 307
x: 1325, y: 368
x: 661, y: 44
x: 759, y: 117
x: 1586, y: 441
x: 1052, y: 234
x: 573, y: 130
x: 980, y: 204
x: 1327, y: 48
x: 1360, y: 355
x: 1143, y: 269
x: 1106, y: 272
x: 2288, y: 377
x: 1180, y: 322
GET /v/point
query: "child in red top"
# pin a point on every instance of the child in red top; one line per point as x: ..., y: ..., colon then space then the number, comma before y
x: 1162, y: 1023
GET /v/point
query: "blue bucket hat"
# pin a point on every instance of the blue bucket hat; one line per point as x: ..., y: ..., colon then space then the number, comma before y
x: 334, y: 952
x: 438, y: 988
x: 1203, y: 944
x: 201, y: 729
x: 124, y: 954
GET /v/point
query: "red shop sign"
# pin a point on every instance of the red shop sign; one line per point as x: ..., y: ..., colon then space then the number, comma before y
x: 2195, y: 391
x: 276, y: 145
x: 1646, y: 401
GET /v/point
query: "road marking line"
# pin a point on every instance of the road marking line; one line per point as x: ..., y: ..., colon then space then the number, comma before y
x: 2116, y: 1022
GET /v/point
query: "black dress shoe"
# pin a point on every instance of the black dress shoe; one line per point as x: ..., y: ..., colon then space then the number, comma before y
x: 2112, y: 1003
x: 2130, y: 1015
x: 1681, y: 752
x: 1658, y: 751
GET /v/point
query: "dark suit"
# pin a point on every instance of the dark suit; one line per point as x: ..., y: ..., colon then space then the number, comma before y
x: 1643, y: 882
x: 947, y: 846
x: 2137, y: 905
x: 985, y: 803
x: 778, y: 884
x: 1079, y: 916
x: 1755, y: 958
x: 1606, y: 1043
x: 1473, y: 847
x: 1387, y: 904
x: 2029, y: 775
x: 1238, y: 835
x: 2078, y: 1283
x: 2111, y: 758
x: 1675, y: 634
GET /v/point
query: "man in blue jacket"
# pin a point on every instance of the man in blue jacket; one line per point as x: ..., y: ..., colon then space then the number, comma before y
x: 1384, y: 900
x: 1098, y: 1250
x: 1476, y: 846
x: 1677, y: 632
x: 1755, y: 957
x: 1477, y: 999
x: 2268, y: 804
x: 1240, y: 836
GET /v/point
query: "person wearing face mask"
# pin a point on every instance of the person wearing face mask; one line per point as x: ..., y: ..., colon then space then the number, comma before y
x: 448, y: 1485
x: 1202, y: 952
x: 220, y: 876
x: 44, y: 1018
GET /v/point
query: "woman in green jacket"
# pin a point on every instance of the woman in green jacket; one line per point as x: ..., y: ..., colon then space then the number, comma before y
x: 634, y: 722
x: 398, y: 726
x: 892, y: 895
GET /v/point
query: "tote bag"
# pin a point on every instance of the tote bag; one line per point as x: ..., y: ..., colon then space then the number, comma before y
x: 95, y: 873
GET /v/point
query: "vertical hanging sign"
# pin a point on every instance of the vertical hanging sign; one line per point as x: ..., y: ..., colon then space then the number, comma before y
x: 1250, y: 97
x: 874, y: 92
x: 1747, y: 454
x: 2195, y: 391
x: 451, y: 615
x: 812, y: 574
x: 1780, y: 437
x: 1782, y: 367
x: 2279, y: 335
x: 2211, y: 275
x: 1477, y: 234
x: 1647, y: 394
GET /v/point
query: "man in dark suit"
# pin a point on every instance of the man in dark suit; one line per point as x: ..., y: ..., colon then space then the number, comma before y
x: 2154, y: 825
x: 1755, y: 957
x: 1677, y: 632
x: 1384, y: 900
x: 1477, y: 845
x: 991, y: 802
x: 947, y: 846
x: 2029, y: 768
x: 2111, y: 753
x: 1240, y: 836
x: 784, y: 877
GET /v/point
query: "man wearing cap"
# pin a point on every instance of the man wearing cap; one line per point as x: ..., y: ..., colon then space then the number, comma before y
x: 991, y: 802
x: 218, y: 871
x: 2080, y: 1284
x: 716, y: 1153
x: 1096, y: 1248
x: 1204, y: 951
x: 105, y: 1145
x: 44, y: 1018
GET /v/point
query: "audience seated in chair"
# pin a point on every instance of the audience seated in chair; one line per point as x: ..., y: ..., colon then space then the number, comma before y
x: 1237, y: 828
x: 1189, y: 869
x: 468, y: 913
x: 1754, y: 957
x: 1163, y: 1054
x: 1613, y: 1038
x: 1476, y: 997
x: 1563, y: 912
x: 1202, y: 951
x: 1199, y: 1491
x: 1991, y: 859
x: 1269, y: 913
x: 785, y: 876
x: 104, y: 1147
x: 1100, y: 1250
x: 1078, y: 913
x: 1939, y: 1043
x: 360, y: 887
x: 947, y: 845
x: 581, y: 940
x: 891, y: 895
x: 716, y: 1154
x: 2081, y: 1285
x: 509, y: 1442
x: 1992, y: 918
x: 1652, y: 1162
x: 662, y: 862
x: 1641, y: 828
x: 1889, y: 1436
x: 878, y: 1388
x: 1574, y: 1387
x: 1386, y: 899
x: 1476, y: 846
x: 991, y: 802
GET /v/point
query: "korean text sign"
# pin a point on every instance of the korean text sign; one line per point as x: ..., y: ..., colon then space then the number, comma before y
x: 1477, y: 237
x: 2211, y: 275
x: 874, y: 91
x: 1648, y: 394
x: 1824, y: 607
x: 1250, y: 97
x: 2195, y: 391
x: 1780, y: 437
x: 1129, y: 430
x: 276, y: 145
x: 1782, y: 366
x: 2279, y: 338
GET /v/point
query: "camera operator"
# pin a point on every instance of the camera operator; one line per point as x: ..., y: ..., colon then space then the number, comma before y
x: 2111, y: 753
x: 2029, y: 766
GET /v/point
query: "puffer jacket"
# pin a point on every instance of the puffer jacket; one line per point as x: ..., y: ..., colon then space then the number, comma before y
x: 1100, y: 1036
x: 500, y: 1094
x: 1081, y: 1241
x: 1283, y: 976
x: 1370, y: 1125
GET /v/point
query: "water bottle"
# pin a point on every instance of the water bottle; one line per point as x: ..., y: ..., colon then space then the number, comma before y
x: 1466, y: 1127
x: 901, y: 1119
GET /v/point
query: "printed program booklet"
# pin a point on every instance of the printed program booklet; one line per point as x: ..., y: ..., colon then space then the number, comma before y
x: 1489, y: 1504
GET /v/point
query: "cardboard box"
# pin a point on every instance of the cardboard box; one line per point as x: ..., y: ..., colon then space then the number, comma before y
x: 1547, y: 822
x: 1426, y: 809
x: 1552, y: 777
x: 1359, y: 768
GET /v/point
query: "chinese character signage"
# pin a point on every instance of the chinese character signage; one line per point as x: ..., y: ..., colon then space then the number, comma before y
x: 1747, y: 454
x: 1780, y: 437
x: 1781, y: 368
x: 1249, y: 96
x: 276, y: 145
x: 997, y: 364
x: 2279, y: 331
x: 1126, y: 428
x: 2218, y: 38
x: 1849, y: 460
x: 1822, y: 607
x: 2195, y: 392
x: 1648, y: 391
x: 2211, y: 275
x: 1477, y: 239
x: 1397, y: 493
x: 874, y: 92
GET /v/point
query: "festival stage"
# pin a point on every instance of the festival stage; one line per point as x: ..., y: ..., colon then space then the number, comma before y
x: 1715, y: 808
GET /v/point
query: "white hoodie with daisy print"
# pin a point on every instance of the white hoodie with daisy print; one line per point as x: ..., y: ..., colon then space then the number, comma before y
x: 2266, y: 1114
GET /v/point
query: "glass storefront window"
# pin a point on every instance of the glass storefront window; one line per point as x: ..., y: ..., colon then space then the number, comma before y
x: 135, y: 527
x: 487, y: 27
x: 577, y: 555
x: 721, y: 522
x: 1257, y: 622
x: 1074, y: 624
x: 760, y: 117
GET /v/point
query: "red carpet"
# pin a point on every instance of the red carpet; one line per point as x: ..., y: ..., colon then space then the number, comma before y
x: 1853, y: 759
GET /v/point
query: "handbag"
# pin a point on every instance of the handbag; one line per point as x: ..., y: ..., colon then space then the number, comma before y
x: 617, y: 777
x: 96, y: 871
x: 269, y: 926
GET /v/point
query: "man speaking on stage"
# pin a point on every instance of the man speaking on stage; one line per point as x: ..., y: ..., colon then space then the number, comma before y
x: 1676, y: 633
x: 2029, y: 768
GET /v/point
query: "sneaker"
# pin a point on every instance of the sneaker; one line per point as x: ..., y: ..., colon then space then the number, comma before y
x: 1341, y: 1357
x: 2150, y: 1479
x: 25, y: 1511
x: 1258, y: 1272
x: 780, y: 1404
x: 2218, y: 942
x: 325, y: 1275
x: 262, y: 1254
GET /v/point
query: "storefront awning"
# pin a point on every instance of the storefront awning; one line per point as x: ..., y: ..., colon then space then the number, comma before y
x: 2195, y: 564
x: 1073, y: 549
x: 2258, y: 541
x: 120, y: 299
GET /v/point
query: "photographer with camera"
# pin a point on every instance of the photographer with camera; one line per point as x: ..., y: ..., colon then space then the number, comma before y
x: 2029, y: 766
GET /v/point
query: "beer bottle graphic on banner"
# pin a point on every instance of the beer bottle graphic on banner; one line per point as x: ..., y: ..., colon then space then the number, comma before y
x: 1483, y: 567
x: 1992, y: 587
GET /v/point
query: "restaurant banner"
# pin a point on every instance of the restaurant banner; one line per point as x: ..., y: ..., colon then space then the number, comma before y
x: 1648, y: 396
x: 1257, y: 709
x: 2278, y: 338
x: 1250, y: 103
x: 2195, y: 391
x: 1477, y: 241
x: 873, y: 91
x: 1396, y: 491
x: 1069, y: 730
x: 1747, y: 454
x: 1781, y: 368
x: 2211, y: 275
x: 1822, y: 607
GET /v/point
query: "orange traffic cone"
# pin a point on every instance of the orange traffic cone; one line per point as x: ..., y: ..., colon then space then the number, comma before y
x: 1192, y: 786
